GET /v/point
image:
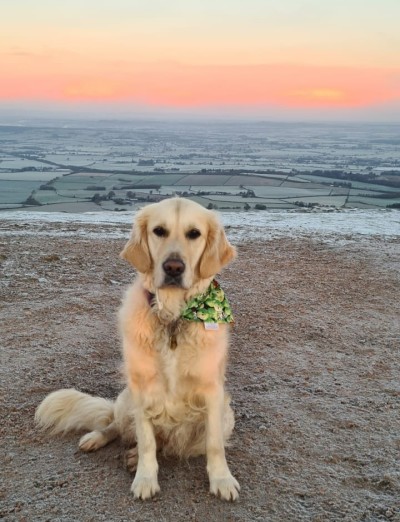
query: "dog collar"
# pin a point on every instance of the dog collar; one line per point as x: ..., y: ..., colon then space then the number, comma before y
x: 210, y: 307
x: 150, y: 297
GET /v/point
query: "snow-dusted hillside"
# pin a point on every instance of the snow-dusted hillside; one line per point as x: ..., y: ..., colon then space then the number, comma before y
x: 241, y: 226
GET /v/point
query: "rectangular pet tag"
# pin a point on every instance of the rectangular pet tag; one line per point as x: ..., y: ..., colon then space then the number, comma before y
x: 211, y: 326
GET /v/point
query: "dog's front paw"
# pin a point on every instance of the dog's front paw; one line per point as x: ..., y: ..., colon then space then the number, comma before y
x: 145, y: 486
x: 227, y: 487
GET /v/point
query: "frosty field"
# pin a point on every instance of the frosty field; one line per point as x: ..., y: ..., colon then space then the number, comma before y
x: 227, y: 165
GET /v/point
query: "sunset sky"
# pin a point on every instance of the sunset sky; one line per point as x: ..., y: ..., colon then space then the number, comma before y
x: 270, y: 59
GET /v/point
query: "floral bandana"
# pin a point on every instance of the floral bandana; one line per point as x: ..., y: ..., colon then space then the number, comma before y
x: 210, y: 307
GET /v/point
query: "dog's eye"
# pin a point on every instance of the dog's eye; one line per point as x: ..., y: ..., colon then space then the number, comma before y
x: 193, y: 234
x: 160, y: 232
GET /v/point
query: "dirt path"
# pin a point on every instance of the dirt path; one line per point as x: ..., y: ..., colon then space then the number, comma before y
x: 314, y: 375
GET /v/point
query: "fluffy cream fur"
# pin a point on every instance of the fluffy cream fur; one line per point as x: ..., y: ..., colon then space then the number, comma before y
x: 175, y: 399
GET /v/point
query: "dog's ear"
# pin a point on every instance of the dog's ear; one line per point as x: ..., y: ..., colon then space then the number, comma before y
x: 136, y: 251
x: 218, y: 251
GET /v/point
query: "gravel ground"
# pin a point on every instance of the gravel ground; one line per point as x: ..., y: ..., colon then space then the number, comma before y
x: 313, y: 371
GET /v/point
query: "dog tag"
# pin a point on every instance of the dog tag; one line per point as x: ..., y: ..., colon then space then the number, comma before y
x: 211, y: 326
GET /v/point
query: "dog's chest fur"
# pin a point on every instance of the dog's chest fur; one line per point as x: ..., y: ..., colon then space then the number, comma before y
x: 169, y: 364
x: 171, y: 355
x: 177, y: 356
x: 187, y: 363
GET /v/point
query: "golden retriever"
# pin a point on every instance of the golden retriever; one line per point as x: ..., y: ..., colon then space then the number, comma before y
x: 174, y: 400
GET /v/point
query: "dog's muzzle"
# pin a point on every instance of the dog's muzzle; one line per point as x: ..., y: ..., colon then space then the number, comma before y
x: 173, y: 268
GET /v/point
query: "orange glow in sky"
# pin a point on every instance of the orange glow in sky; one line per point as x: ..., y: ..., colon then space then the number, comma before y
x: 288, y: 54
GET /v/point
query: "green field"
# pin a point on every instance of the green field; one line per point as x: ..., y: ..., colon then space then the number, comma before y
x: 114, y: 164
x: 16, y: 191
x: 220, y: 190
x: 354, y: 184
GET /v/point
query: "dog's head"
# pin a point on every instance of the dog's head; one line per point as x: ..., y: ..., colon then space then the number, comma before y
x: 178, y: 242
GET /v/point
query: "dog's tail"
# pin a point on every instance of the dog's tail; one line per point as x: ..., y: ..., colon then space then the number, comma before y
x: 65, y: 411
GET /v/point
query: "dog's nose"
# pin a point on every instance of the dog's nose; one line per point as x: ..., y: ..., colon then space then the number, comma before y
x: 174, y: 267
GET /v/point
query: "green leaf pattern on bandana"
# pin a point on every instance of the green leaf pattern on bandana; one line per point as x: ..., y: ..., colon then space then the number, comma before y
x: 210, y: 307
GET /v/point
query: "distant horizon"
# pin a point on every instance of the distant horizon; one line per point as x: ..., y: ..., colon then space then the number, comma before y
x: 9, y: 115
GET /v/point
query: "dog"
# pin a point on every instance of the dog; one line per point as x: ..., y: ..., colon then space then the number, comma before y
x: 174, y: 323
